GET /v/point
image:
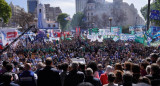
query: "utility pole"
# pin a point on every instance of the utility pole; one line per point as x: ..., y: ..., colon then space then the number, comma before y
x: 148, y: 12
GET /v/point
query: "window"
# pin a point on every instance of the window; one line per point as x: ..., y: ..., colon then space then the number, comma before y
x: 54, y: 25
x: 88, y: 14
x: 39, y: 10
x: 91, y: 14
x: 49, y: 25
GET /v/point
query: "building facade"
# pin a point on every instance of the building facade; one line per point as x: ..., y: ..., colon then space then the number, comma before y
x: 98, y: 12
x: 16, y: 10
x: 32, y: 5
x: 52, y: 12
x: 80, y: 5
x: 43, y: 23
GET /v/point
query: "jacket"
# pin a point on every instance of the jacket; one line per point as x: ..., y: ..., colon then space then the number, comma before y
x: 92, y: 80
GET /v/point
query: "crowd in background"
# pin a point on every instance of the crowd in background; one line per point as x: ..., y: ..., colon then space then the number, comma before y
x: 107, y: 63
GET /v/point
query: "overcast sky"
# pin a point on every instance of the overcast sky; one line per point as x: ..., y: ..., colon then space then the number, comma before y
x: 68, y: 6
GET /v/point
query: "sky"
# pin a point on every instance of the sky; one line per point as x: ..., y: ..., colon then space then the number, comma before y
x: 68, y: 6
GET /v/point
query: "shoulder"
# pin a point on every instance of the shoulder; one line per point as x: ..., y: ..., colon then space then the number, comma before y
x: 80, y: 73
x: 105, y: 85
x: 13, y: 84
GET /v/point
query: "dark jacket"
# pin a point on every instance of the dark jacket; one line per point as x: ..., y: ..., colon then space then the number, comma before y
x: 92, y: 80
x: 27, y: 78
x: 155, y: 79
x: 48, y: 77
x: 11, y: 84
x: 74, y: 78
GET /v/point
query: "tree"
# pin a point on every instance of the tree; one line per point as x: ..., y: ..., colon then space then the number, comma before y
x: 5, y: 11
x: 154, y: 6
x: 23, y: 19
x: 62, y: 21
x: 77, y: 20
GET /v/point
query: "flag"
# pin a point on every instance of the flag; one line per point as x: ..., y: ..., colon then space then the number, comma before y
x: 68, y: 18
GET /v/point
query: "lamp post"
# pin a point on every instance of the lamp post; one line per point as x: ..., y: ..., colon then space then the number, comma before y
x: 110, y: 20
x: 35, y: 20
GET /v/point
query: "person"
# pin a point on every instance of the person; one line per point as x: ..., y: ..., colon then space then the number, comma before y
x: 148, y: 69
x: 85, y: 84
x: 3, y: 70
x: 143, y: 81
x: 28, y: 77
x: 48, y: 76
x: 7, y: 80
x: 155, y: 75
x: 136, y: 73
x: 127, y: 66
x: 154, y: 57
x: 39, y: 66
x: 118, y: 66
x: 100, y: 69
x: 127, y: 79
x: 93, y: 66
x: 143, y: 66
x: 64, y: 73
x: 111, y: 78
x: 89, y: 78
x: 104, y: 77
x: 118, y: 79
x: 158, y: 62
x: 9, y: 68
x: 74, y: 77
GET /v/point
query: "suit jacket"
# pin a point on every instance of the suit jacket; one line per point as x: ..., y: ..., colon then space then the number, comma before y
x: 48, y: 77
x: 74, y: 78
x: 92, y: 80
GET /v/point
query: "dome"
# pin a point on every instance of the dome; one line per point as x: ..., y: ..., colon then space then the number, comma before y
x: 91, y: 1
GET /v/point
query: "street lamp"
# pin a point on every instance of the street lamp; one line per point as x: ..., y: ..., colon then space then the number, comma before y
x: 35, y: 20
x: 110, y: 20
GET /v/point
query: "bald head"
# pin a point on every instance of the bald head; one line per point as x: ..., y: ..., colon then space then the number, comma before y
x: 27, y: 66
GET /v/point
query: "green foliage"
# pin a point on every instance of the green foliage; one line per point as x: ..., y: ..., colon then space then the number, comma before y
x: 154, y: 6
x: 5, y: 11
x: 62, y: 21
x: 77, y: 20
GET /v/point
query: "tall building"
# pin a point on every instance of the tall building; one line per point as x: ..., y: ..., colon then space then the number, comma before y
x: 16, y: 10
x: 32, y: 5
x: 43, y: 23
x: 52, y: 12
x: 80, y: 5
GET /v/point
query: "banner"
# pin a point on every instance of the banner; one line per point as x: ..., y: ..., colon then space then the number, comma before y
x: 116, y: 30
x: 8, y: 35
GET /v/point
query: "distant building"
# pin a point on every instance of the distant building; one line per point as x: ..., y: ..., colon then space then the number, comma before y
x: 52, y: 12
x: 43, y: 23
x: 16, y: 10
x: 80, y: 5
x: 32, y: 5
x: 97, y: 13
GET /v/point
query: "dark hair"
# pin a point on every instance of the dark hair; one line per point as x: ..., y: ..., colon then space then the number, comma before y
x: 118, y: 66
x: 118, y: 78
x: 82, y: 67
x: 85, y: 84
x: 144, y: 64
x: 93, y: 66
x: 155, y: 69
x: 7, y: 77
x: 48, y: 61
x: 5, y: 63
x: 9, y: 67
x: 135, y: 68
x: 64, y: 66
x: 89, y: 72
x: 144, y: 80
x: 128, y: 66
x: 127, y: 79
x: 111, y: 77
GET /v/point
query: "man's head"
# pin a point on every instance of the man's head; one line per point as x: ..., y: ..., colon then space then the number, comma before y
x: 155, y: 69
x: 127, y: 77
x: 89, y: 72
x: 49, y: 61
x: 64, y: 66
x: 7, y: 77
x: 154, y: 57
x: 27, y: 66
x: 111, y: 77
x: 109, y: 69
x: 127, y: 66
x: 9, y: 67
x: 75, y: 66
x: 100, y: 67
x: 85, y: 84
x: 158, y: 61
x: 5, y: 63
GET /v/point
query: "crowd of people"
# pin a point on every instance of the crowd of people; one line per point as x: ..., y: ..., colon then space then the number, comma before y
x: 107, y: 63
